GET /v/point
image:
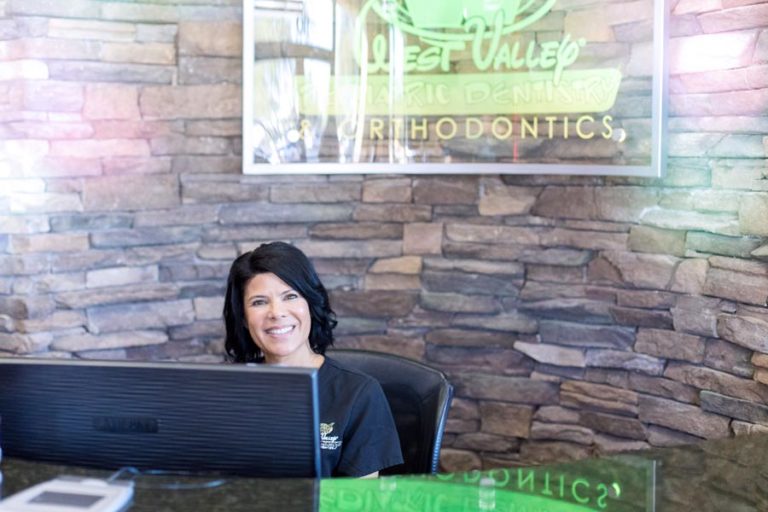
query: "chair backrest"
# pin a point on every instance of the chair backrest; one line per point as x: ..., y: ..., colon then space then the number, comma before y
x: 419, y: 397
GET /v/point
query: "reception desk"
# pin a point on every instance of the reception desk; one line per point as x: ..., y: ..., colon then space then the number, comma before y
x: 727, y: 475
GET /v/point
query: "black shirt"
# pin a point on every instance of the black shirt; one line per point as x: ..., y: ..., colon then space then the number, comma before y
x: 357, y: 433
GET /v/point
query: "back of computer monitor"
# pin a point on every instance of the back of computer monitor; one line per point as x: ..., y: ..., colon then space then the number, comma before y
x: 240, y: 419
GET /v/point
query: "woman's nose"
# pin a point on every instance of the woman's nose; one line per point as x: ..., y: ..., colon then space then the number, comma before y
x: 275, y: 309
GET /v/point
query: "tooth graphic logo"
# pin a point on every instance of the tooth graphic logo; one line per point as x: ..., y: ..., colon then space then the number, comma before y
x: 327, y: 441
x: 457, y: 22
x: 423, y: 15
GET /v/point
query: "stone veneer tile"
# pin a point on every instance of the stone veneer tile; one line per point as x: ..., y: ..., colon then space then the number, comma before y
x: 422, y: 238
x: 505, y: 419
x: 88, y: 9
x: 717, y: 381
x: 554, y: 451
x: 391, y: 212
x: 641, y: 317
x: 459, y: 303
x: 556, y: 414
x: 140, y: 12
x: 660, y: 436
x: 471, y: 338
x: 569, y: 310
x: 585, y: 335
x: 728, y: 357
x: 743, y: 428
x: 734, y: 103
x: 469, y: 283
x: 682, y: 417
x: 568, y: 202
x: 53, y: 96
x: 210, y: 38
x: 148, y: 315
x: 744, y: 331
x: 445, y: 190
x: 58, y: 321
x: 670, y: 345
x: 718, y: 223
x: 124, y: 294
x: 654, y: 240
x: 505, y: 389
x: 61, y: 28
x: 89, y: 71
x: 379, y: 303
x: 25, y: 343
x: 474, y: 266
x: 401, y: 265
x: 47, y: 242
x: 392, y: 282
x: 697, y: 315
x: 643, y: 270
x: 396, y: 190
x: 552, y: 354
x: 350, y: 249
x: 734, y: 407
x: 512, y: 321
x: 562, y: 432
x: 122, y: 238
x: 663, y: 387
x: 737, y: 286
x: 627, y: 360
x: 624, y: 204
x: 619, y: 426
x: 119, y: 276
x: 131, y: 338
x: 483, y: 442
x: 583, y: 239
x: 737, y: 18
x: 491, y: 360
x: 111, y: 101
x: 315, y: 193
x: 192, y: 101
x: 267, y: 213
x: 500, y: 199
x: 724, y: 51
x: 405, y: 346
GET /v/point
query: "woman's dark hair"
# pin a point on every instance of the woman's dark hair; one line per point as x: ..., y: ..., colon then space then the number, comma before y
x: 292, y: 266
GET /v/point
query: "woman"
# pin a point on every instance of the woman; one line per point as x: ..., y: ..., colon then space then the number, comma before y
x: 277, y: 311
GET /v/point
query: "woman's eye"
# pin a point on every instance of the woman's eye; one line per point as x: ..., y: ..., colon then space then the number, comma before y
x: 258, y: 302
x: 291, y: 296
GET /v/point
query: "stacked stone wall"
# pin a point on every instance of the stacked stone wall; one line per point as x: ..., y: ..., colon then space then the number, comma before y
x: 574, y: 315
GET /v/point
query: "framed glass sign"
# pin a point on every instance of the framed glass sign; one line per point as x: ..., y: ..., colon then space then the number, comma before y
x: 454, y: 86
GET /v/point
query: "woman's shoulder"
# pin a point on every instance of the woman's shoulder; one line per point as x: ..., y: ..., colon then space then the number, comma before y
x: 334, y: 371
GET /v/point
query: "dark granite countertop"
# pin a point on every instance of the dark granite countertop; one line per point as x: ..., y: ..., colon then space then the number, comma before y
x: 727, y: 475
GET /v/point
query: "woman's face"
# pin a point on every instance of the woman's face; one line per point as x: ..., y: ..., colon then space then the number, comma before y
x: 278, y: 320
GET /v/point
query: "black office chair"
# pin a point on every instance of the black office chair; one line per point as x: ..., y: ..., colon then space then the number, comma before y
x: 419, y: 397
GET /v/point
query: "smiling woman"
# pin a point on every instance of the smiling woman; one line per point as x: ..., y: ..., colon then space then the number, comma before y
x: 276, y: 311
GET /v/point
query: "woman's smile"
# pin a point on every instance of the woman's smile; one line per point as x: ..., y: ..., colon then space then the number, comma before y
x: 277, y: 331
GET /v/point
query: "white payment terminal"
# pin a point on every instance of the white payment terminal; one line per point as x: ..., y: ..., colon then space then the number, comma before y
x: 71, y: 494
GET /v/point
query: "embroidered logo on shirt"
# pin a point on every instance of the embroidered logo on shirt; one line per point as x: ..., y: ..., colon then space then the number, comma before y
x: 328, y: 442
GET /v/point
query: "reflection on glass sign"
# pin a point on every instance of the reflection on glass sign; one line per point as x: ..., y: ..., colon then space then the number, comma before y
x: 620, y: 485
x: 514, y: 86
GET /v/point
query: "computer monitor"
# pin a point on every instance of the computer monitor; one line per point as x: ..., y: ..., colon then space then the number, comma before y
x: 254, y: 420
